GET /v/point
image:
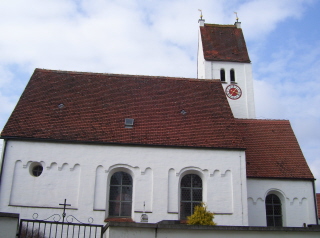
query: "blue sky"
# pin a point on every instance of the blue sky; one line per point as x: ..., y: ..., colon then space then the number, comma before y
x: 150, y: 37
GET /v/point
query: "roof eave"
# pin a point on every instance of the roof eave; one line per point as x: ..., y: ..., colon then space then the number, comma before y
x: 286, y: 178
x: 117, y: 143
x: 236, y: 61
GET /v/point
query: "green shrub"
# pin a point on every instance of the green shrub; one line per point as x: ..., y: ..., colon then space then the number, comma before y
x: 201, y: 216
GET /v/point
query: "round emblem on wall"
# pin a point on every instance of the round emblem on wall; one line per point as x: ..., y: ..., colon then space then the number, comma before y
x: 233, y: 91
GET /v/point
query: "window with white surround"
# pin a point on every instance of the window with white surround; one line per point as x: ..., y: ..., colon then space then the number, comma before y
x: 273, y: 210
x: 190, y: 194
x: 120, y: 195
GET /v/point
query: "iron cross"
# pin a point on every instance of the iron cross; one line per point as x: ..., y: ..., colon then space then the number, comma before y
x: 64, y: 209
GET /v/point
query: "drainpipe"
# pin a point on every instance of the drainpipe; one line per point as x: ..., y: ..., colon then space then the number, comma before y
x: 156, y: 232
x: 315, y: 201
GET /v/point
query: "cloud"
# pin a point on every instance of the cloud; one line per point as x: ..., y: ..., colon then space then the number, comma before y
x: 314, y: 166
x: 261, y: 17
x: 110, y: 37
x: 7, y: 105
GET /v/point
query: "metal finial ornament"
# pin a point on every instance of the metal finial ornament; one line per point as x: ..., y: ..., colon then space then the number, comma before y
x: 237, y: 18
x: 200, y: 13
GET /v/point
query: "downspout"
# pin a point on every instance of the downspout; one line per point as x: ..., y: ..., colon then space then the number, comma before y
x: 156, y: 232
x: 241, y: 189
x: 2, y: 159
x: 315, y: 201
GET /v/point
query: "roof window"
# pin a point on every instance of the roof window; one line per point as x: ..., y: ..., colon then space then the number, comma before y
x: 183, y: 112
x: 128, y: 122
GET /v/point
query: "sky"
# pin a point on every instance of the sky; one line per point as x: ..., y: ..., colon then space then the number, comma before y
x: 148, y: 37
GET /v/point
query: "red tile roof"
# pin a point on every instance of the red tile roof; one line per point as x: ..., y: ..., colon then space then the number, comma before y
x: 223, y: 43
x: 272, y: 150
x: 318, y: 204
x: 92, y: 107
x: 166, y: 111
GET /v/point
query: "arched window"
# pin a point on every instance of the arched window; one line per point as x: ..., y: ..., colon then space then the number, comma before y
x: 191, y: 194
x: 222, y: 75
x: 273, y: 210
x: 232, y: 76
x: 120, y: 195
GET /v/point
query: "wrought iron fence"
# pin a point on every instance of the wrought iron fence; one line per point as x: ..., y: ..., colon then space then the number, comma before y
x: 53, y: 229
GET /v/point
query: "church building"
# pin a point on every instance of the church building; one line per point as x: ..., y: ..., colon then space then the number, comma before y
x: 117, y: 147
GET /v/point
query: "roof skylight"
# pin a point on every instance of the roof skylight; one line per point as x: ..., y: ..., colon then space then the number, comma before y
x: 128, y: 122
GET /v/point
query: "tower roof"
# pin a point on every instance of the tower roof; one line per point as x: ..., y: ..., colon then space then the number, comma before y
x: 223, y: 43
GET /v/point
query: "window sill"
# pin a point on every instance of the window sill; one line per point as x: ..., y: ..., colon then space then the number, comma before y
x: 118, y: 219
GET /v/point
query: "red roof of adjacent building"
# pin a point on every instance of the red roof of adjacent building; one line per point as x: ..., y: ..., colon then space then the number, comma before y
x: 224, y: 43
x: 92, y: 107
x: 272, y: 150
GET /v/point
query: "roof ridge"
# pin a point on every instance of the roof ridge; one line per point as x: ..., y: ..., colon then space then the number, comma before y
x: 219, y: 25
x: 124, y: 75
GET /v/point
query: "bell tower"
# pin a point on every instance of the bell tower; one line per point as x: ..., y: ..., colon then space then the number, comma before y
x: 223, y: 55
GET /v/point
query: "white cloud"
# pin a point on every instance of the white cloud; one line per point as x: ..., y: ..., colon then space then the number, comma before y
x: 315, y: 168
x: 261, y: 17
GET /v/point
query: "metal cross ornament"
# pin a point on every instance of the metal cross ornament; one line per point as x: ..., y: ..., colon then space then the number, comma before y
x: 64, y: 209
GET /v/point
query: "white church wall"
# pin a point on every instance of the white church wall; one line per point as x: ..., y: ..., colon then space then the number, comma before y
x: 81, y: 173
x: 20, y: 196
x: 296, y: 197
x: 201, y: 62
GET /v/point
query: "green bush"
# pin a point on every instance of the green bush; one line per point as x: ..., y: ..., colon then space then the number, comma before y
x: 201, y: 216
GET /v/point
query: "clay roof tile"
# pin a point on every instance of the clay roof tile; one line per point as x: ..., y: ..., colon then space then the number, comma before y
x: 92, y: 107
x: 272, y: 150
x: 224, y: 43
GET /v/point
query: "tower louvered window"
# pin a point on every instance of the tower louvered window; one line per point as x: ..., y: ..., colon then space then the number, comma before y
x: 120, y: 196
x: 222, y: 75
x: 273, y: 210
x: 232, y: 76
x: 191, y: 194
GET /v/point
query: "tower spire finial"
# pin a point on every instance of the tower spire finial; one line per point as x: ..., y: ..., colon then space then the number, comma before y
x: 201, y: 21
x: 200, y: 13
x: 237, y: 18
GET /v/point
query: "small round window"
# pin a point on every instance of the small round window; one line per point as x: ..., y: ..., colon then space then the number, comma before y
x: 36, y: 169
